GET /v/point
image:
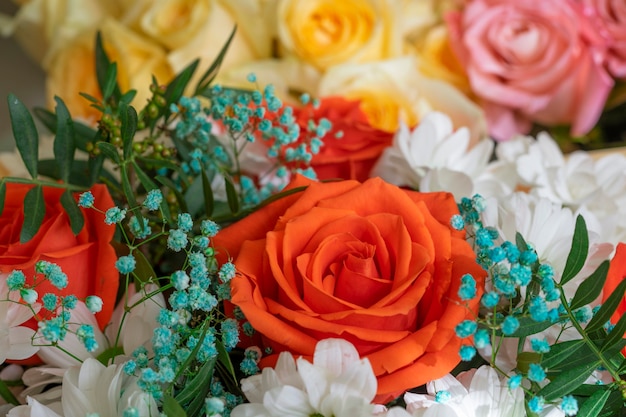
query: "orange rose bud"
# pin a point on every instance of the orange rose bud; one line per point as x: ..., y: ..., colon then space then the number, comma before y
x: 371, y: 263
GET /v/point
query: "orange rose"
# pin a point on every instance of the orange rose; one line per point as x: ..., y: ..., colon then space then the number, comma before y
x: 354, y: 154
x: 371, y: 263
x: 88, y: 258
x: 617, y: 272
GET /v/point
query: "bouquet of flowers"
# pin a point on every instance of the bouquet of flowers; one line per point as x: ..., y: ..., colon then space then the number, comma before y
x: 211, y: 250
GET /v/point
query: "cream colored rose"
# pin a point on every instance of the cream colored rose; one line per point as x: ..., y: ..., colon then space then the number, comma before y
x: 137, y: 60
x: 394, y: 90
x: 190, y: 29
x: 39, y: 23
x: 330, y: 32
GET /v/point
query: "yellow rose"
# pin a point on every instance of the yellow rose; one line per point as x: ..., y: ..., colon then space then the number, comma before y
x: 437, y: 60
x: 330, y: 32
x: 395, y: 89
x: 190, y: 29
x: 137, y: 60
x: 39, y: 23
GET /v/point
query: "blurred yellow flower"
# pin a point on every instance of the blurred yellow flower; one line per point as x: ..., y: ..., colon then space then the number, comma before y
x: 137, y: 57
x: 330, y: 32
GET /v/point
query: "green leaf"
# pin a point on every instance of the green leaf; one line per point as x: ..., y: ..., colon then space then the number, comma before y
x: 568, y: 381
x: 578, y: 252
x: 143, y: 269
x: 213, y: 69
x: 25, y: 133
x: 95, y: 168
x: 82, y: 133
x: 128, y: 97
x: 176, y: 88
x: 128, y: 116
x: 110, y: 81
x: 594, y: 404
x: 616, y: 335
x: 130, y: 193
x: 6, y: 394
x: 47, y: 118
x: 103, y: 63
x: 194, y: 196
x: 180, y: 198
x: 94, y: 100
x: 524, y: 359
x: 231, y: 196
x: 110, y: 152
x: 561, y: 352
x: 207, y: 191
x: 527, y: 327
x: 608, y: 308
x: 171, y: 407
x: 64, y: 140
x: 195, y: 392
x: 34, y: 211
x: 77, y: 220
x: 591, y: 287
x: 224, y: 358
x: 3, y: 194
x: 108, y: 355
x: 144, y: 179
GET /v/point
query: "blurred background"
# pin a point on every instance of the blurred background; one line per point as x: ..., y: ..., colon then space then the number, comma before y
x: 18, y: 75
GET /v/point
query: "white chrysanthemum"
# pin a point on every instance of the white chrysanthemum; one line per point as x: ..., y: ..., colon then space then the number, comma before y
x: 91, y: 389
x: 476, y: 393
x: 337, y: 384
x: 577, y: 181
x: 15, y: 339
x: 435, y: 157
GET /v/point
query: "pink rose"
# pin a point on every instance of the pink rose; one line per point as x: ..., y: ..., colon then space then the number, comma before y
x: 532, y: 61
x: 610, y: 17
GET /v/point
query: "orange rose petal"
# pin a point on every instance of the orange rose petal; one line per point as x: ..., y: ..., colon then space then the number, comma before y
x: 429, y: 367
x: 617, y: 273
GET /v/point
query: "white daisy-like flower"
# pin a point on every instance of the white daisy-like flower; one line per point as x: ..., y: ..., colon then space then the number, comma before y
x: 435, y: 157
x: 338, y: 383
x: 475, y: 393
x: 15, y: 339
x: 92, y: 389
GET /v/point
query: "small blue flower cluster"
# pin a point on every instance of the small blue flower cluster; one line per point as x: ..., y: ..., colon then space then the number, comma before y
x: 518, y: 287
x: 55, y: 326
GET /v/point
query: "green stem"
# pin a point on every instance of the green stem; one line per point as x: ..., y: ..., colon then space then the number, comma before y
x: 6, y: 394
x: 606, y: 364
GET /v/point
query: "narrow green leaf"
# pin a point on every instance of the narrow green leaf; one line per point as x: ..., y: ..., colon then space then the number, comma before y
x: 25, y: 134
x: 95, y: 168
x: 616, y: 335
x: 102, y: 67
x: 594, y: 404
x: 82, y: 132
x: 3, y: 194
x: 176, y: 88
x: 578, y: 252
x: 520, y: 242
x: 194, y: 197
x: 527, y: 327
x: 171, y: 407
x: 180, y: 198
x: 224, y: 358
x: 567, y: 381
x: 110, y: 81
x: 77, y: 220
x: 129, y: 192
x: 144, y: 179
x: 607, y: 309
x: 196, y: 390
x: 591, y: 287
x: 561, y: 352
x: 92, y: 99
x: 128, y: 96
x: 34, y: 212
x: 110, y: 152
x: 47, y: 118
x: 207, y: 191
x: 107, y: 356
x: 143, y: 269
x: 231, y: 196
x: 213, y: 69
x: 64, y: 140
x: 7, y: 395
x: 128, y: 116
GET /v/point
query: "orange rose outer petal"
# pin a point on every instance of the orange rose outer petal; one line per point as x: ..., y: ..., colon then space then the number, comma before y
x: 407, y: 357
x: 617, y: 272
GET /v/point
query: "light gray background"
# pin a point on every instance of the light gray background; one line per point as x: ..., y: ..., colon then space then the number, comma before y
x: 18, y: 75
